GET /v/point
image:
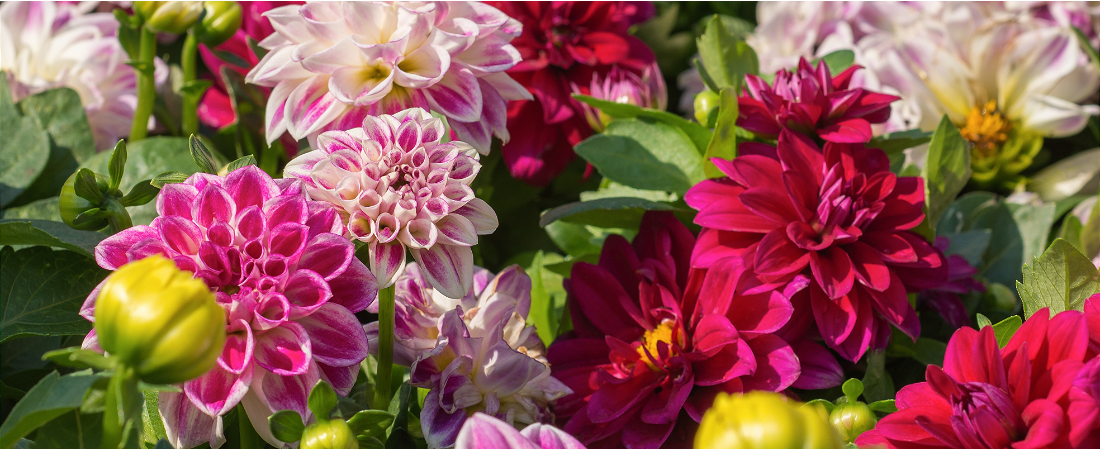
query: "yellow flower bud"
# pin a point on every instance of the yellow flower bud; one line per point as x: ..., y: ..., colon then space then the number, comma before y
x: 706, y: 105
x: 222, y: 19
x: 333, y: 433
x: 764, y: 420
x: 158, y: 320
x: 169, y: 17
x: 851, y: 419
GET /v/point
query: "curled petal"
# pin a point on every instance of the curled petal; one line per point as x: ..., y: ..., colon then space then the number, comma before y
x: 449, y: 268
x: 284, y: 350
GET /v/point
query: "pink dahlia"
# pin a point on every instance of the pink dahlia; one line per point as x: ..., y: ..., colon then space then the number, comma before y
x: 333, y: 63
x: 289, y: 283
x: 623, y: 86
x: 810, y: 100
x: 654, y: 341
x: 831, y: 224
x: 397, y: 185
x: 483, y: 431
x: 1042, y: 390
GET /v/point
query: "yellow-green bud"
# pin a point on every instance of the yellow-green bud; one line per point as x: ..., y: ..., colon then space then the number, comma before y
x: 168, y: 17
x: 851, y: 419
x: 706, y: 102
x: 764, y: 420
x: 72, y: 205
x: 158, y: 320
x: 333, y: 433
x: 222, y: 19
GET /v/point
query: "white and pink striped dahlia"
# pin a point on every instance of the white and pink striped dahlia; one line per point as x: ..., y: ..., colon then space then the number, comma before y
x: 289, y: 283
x: 398, y: 186
x: 332, y: 64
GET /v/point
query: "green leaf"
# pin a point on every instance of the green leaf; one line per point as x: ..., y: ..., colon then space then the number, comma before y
x: 148, y: 158
x: 970, y: 245
x: 321, y: 400
x: 829, y: 406
x: 884, y: 406
x: 1005, y: 329
x: 610, y: 189
x: 547, y: 296
x: 41, y: 291
x: 725, y: 57
x: 286, y: 426
x: 699, y: 134
x: 79, y: 358
x: 164, y: 178
x: 946, y: 170
x: 72, y: 429
x: 52, y: 234
x: 248, y: 160
x: 50, y: 398
x: 370, y: 423
x: 45, y: 209
x: 644, y: 154
x: 70, y: 142
x: 143, y: 192
x: 838, y: 61
x: 877, y: 384
x: 117, y: 164
x: 983, y: 321
x: 621, y: 212
x: 1061, y: 279
x: 202, y: 156
x: 852, y: 388
x: 87, y: 188
x: 24, y: 150
x: 723, y: 144
x: 896, y: 142
x: 572, y: 238
x: 1019, y: 232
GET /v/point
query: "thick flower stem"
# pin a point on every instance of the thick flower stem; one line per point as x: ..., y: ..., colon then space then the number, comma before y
x: 190, y: 118
x: 385, y: 347
x: 118, y: 412
x: 146, y: 88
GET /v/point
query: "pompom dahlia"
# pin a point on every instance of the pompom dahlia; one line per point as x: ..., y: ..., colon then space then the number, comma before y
x: 289, y: 283
x: 654, y: 341
x: 332, y: 64
x: 1042, y: 390
x: 398, y: 186
x: 831, y: 223
x: 810, y: 100
x: 565, y: 45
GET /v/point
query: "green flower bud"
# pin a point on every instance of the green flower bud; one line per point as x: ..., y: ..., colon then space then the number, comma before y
x: 706, y: 104
x: 764, y: 420
x: 221, y: 20
x: 72, y: 205
x: 169, y: 17
x: 333, y: 433
x: 851, y: 419
x: 158, y: 320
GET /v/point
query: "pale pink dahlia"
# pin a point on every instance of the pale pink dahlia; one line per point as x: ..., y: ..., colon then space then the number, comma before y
x: 289, y: 284
x: 332, y: 64
x: 398, y: 186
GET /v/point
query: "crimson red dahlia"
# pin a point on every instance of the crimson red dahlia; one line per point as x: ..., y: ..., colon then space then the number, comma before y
x: 564, y: 45
x: 831, y: 224
x: 654, y: 341
x: 1042, y: 390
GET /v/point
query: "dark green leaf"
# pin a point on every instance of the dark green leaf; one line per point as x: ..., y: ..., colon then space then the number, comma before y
x: 52, y: 234
x: 143, y: 192
x: 723, y: 143
x: 117, y: 164
x: 41, y: 291
x: 572, y: 238
x: 883, y: 406
x: 248, y: 160
x: 645, y: 155
x: 79, y: 358
x: 565, y: 267
x: 286, y: 426
x: 322, y: 398
x: 699, y: 134
x: 621, y: 212
x: 370, y: 442
x: 1005, y: 329
x: 24, y: 150
x: 970, y: 245
x: 894, y: 143
x: 1061, y: 279
x: 71, y: 429
x: 50, y: 398
x: 726, y: 57
x: 253, y: 45
x: 946, y: 170
x: 129, y: 34
x: 372, y: 422
x: 1019, y: 232
x: 61, y: 115
x: 164, y: 178
x: 45, y: 209
x: 852, y: 388
x: 87, y: 188
x: 202, y: 156
x: 877, y: 384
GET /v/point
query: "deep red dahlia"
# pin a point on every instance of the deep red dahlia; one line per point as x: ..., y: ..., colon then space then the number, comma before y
x: 813, y: 102
x: 654, y: 341
x: 833, y: 221
x: 1042, y: 390
x: 944, y: 300
x: 564, y: 44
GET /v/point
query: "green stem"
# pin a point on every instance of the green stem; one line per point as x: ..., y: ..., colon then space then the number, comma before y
x: 119, y: 219
x: 146, y: 88
x: 249, y: 437
x: 115, y: 413
x: 190, y: 117
x: 385, y: 347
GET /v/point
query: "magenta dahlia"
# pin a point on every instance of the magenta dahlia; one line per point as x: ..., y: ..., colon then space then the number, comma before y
x: 831, y: 224
x: 654, y: 341
x: 1042, y: 390
x: 288, y: 280
x: 812, y: 101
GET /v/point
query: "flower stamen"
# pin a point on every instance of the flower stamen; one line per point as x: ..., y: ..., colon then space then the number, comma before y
x: 986, y: 129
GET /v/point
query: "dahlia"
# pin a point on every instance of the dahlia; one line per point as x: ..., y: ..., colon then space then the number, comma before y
x: 1042, y: 390
x: 944, y: 300
x: 397, y: 186
x: 654, y: 341
x: 482, y: 431
x: 622, y: 86
x: 48, y: 45
x: 332, y: 64
x: 813, y: 102
x: 831, y: 224
x: 564, y: 47
x: 289, y: 283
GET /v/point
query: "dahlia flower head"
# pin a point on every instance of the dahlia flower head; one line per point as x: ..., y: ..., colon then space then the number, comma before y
x: 831, y: 224
x: 396, y: 185
x: 655, y: 341
x: 810, y: 100
x: 1041, y: 390
x: 475, y: 354
x: 331, y: 64
x: 48, y: 45
x: 288, y: 280
x: 487, y: 432
x: 646, y: 89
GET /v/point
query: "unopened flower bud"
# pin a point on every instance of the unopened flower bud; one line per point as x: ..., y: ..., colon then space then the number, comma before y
x: 222, y: 19
x: 333, y: 433
x: 764, y: 420
x: 168, y: 17
x: 851, y: 419
x: 158, y: 320
x: 706, y: 103
x: 72, y: 205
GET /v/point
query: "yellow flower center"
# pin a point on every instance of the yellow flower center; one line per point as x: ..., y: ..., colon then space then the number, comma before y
x: 665, y: 332
x: 986, y: 129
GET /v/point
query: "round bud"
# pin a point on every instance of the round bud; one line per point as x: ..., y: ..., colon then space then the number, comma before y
x: 221, y: 20
x: 333, y: 433
x: 851, y: 419
x: 706, y: 104
x: 169, y: 17
x: 764, y: 420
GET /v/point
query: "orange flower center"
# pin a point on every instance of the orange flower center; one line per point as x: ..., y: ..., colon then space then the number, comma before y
x: 665, y: 332
x: 986, y: 129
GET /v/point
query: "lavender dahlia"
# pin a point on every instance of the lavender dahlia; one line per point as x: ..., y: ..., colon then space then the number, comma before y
x: 288, y: 282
